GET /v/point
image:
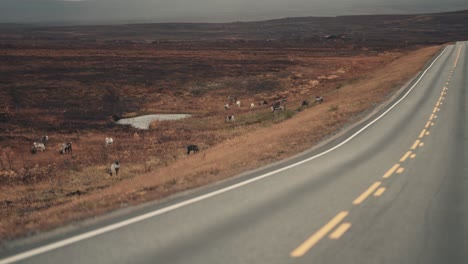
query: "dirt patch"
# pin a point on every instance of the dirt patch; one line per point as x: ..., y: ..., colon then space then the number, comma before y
x: 61, y: 198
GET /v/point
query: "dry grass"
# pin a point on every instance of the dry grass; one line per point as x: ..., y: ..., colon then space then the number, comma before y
x: 74, y: 187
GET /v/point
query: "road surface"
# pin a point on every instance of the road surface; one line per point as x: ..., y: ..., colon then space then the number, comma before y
x: 392, y: 190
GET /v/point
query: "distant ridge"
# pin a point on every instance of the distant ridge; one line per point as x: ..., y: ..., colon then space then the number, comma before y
x: 417, y: 28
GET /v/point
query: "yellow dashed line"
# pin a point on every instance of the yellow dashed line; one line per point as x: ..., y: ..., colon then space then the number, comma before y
x: 379, y: 192
x: 405, y: 156
x: 458, y: 56
x: 391, y: 171
x: 321, y: 233
x: 422, y: 133
x: 365, y: 194
x: 415, y: 145
x: 340, y: 230
x: 373, y: 189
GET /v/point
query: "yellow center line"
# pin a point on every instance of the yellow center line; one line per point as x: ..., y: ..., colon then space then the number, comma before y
x: 365, y: 194
x: 415, y: 145
x: 400, y: 170
x: 321, y: 233
x: 405, y: 156
x: 427, y: 124
x: 432, y: 117
x: 340, y: 230
x: 458, y: 56
x: 422, y: 133
x: 435, y: 109
x: 391, y: 171
x: 379, y: 192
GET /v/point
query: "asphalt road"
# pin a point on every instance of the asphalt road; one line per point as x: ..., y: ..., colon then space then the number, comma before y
x: 394, y: 193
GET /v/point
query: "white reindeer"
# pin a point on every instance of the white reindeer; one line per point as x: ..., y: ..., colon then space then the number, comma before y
x: 109, y: 141
x: 114, y: 168
x: 39, y: 146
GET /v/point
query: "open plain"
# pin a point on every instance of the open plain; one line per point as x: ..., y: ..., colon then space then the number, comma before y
x: 72, y: 83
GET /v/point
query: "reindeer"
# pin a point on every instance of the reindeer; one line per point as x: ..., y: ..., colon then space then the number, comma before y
x: 193, y: 148
x: 319, y: 99
x: 66, y: 148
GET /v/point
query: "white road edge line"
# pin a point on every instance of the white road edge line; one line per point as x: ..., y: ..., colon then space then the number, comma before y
x: 102, y: 230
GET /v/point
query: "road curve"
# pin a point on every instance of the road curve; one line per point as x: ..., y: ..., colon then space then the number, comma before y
x: 390, y: 191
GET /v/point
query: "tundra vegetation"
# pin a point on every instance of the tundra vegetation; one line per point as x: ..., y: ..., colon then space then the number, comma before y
x: 72, y: 90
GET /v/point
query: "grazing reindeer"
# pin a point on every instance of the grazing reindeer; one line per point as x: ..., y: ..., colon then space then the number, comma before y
x: 319, y: 99
x: 193, y: 148
x: 109, y: 141
x: 281, y: 107
x: 66, y: 148
x: 238, y: 103
x: 229, y: 118
x: 39, y: 146
x: 44, y: 139
x: 305, y: 103
x: 114, y: 167
x: 226, y: 106
x: 277, y: 106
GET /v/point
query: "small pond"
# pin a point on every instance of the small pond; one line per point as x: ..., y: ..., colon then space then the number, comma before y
x: 143, y: 122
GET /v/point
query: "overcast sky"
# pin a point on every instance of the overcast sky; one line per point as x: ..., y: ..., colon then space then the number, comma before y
x: 207, y: 10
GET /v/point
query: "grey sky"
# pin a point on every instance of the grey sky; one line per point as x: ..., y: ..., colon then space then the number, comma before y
x: 207, y: 10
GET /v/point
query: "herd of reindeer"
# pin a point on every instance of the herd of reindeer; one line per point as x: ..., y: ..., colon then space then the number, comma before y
x: 276, y: 106
x: 66, y: 148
